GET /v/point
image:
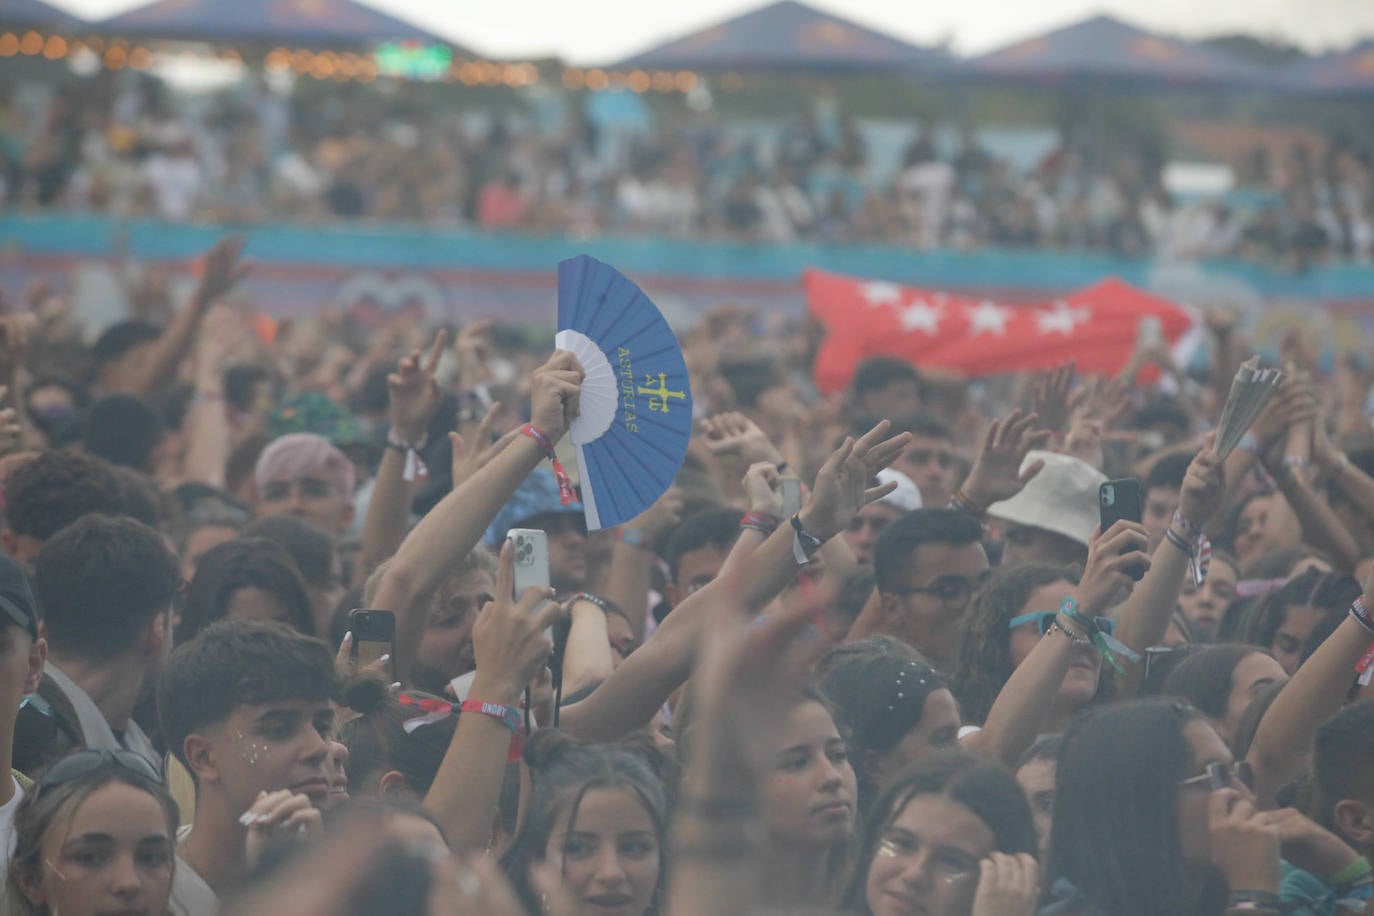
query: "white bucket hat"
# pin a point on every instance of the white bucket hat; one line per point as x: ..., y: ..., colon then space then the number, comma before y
x: 1062, y: 498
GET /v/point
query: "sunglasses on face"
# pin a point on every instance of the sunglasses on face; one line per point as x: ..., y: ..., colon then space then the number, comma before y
x: 1222, y: 776
x: 1043, y: 620
x: 81, y: 763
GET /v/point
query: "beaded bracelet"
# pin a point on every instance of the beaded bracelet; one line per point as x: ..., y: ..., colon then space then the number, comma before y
x: 1109, y: 646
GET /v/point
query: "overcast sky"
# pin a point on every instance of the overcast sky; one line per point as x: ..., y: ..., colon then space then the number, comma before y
x: 597, y: 31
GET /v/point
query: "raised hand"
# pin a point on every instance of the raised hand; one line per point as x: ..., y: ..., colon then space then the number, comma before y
x: 413, y: 392
x: 748, y: 670
x: 472, y: 347
x: 996, y: 473
x: 762, y: 486
x: 1107, y: 399
x: 508, y: 637
x: 1007, y: 886
x: 655, y: 522
x: 735, y: 434
x: 221, y: 270
x: 1110, y: 555
x: 1204, y: 486
x: 220, y: 332
x: 1084, y: 439
x: 1050, y: 397
x: 1292, y: 404
x: 346, y: 666
x: 468, y: 459
x: 842, y: 486
x: 555, y: 388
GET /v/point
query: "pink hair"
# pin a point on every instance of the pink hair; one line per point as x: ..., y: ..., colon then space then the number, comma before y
x: 298, y: 455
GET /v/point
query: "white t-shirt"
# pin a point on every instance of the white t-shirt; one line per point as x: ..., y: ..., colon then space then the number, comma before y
x: 7, y: 819
x: 7, y: 834
x: 191, y: 896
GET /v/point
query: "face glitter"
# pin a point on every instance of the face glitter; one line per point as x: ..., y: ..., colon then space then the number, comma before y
x: 252, y: 751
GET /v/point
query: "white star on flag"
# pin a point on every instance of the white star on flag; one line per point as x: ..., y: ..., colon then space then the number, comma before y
x: 921, y: 316
x: 878, y: 293
x: 988, y: 317
x: 1061, y: 319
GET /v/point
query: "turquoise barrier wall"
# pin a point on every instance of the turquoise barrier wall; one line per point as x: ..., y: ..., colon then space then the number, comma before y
x: 304, y: 267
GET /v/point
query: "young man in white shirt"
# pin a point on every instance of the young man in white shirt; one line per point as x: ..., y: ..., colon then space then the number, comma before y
x: 245, y: 707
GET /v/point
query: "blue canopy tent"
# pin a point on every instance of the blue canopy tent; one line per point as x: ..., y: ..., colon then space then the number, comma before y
x: 787, y: 35
x: 1340, y: 73
x: 36, y: 14
x: 1104, y: 48
x: 318, y: 22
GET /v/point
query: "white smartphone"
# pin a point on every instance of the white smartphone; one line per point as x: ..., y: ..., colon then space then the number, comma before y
x: 791, y: 496
x: 531, y: 559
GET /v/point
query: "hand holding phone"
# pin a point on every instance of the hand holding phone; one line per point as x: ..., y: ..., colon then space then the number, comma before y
x: 374, y: 636
x: 1122, y: 500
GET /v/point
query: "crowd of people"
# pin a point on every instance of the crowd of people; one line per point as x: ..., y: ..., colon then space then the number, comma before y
x: 124, y: 145
x: 939, y: 686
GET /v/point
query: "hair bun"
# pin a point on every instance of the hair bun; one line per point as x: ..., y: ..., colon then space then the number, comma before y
x: 364, y: 694
x: 548, y: 745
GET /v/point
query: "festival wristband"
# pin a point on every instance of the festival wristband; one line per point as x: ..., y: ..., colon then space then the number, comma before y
x: 565, y: 488
x: 804, y: 543
x: 415, y: 465
x: 1106, y: 644
x: 1361, y: 615
x: 1354, y: 873
x: 759, y: 521
x: 1193, y: 542
x: 508, y: 716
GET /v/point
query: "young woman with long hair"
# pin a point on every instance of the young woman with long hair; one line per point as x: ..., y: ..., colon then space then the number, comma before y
x: 96, y: 835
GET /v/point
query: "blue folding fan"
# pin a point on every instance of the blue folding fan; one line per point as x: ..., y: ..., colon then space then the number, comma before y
x: 636, y: 405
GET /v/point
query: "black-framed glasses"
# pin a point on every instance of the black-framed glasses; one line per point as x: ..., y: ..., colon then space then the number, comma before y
x: 82, y: 763
x: 1045, y: 619
x: 953, y: 591
x: 1221, y: 776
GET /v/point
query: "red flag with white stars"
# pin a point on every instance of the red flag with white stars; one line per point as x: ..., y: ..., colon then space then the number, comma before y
x: 1095, y: 326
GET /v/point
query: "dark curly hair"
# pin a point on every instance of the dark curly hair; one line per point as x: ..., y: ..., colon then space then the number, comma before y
x: 985, y: 644
x: 57, y: 488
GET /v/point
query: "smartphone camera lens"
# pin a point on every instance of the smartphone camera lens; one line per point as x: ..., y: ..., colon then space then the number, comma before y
x: 1109, y: 496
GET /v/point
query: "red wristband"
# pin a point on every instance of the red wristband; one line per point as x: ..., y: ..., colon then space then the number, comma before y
x: 565, y: 487
x: 507, y: 716
x: 760, y: 521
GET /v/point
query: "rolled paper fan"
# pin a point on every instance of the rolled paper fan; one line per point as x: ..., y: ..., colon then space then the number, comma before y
x: 636, y: 405
x: 1251, y: 390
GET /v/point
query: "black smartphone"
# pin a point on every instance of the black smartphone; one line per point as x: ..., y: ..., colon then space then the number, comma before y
x: 1118, y: 500
x: 374, y: 633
